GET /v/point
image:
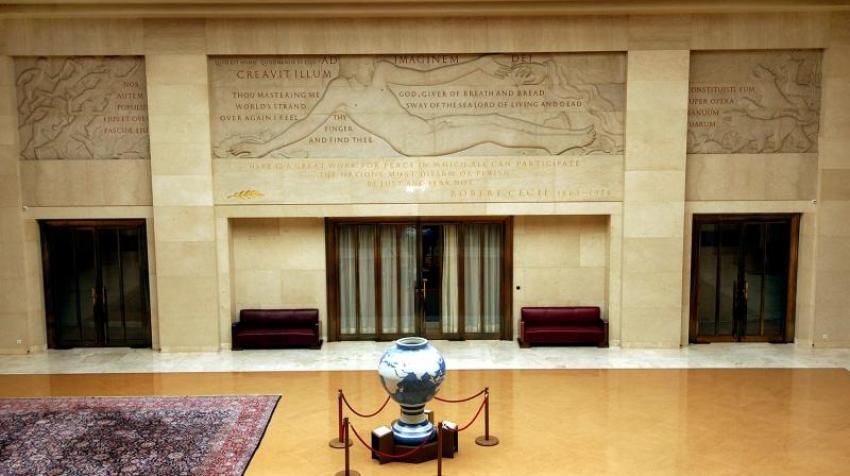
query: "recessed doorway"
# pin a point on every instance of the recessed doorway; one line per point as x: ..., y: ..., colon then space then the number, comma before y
x: 743, y: 278
x: 96, y: 283
x: 439, y: 279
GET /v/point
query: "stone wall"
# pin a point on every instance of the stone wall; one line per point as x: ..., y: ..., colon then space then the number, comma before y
x: 643, y: 193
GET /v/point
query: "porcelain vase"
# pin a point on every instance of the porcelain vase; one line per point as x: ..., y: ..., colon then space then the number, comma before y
x: 412, y: 371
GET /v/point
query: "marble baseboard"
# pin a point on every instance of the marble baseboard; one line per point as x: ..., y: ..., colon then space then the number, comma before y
x: 472, y: 355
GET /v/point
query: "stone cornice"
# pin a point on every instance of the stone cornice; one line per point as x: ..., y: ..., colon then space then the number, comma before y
x: 42, y: 9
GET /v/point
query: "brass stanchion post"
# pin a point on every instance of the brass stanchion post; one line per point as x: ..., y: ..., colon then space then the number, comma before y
x: 440, y: 449
x: 487, y: 439
x: 347, y: 443
x: 338, y: 442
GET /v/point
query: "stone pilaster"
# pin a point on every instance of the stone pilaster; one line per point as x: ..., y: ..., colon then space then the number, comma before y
x: 832, y: 236
x: 184, y: 218
x: 14, y: 337
x: 654, y: 194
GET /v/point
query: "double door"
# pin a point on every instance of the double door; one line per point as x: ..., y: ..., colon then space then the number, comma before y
x: 96, y: 283
x: 743, y: 278
x: 435, y: 279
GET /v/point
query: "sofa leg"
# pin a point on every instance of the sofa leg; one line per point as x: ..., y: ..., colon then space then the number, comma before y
x: 603, y: 344
x: 318, y: 345
x: 523, y: 344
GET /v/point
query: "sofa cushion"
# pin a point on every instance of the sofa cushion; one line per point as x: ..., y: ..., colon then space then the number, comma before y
x: 558, y: 335
x: 272, y: 339
x: 560, y: 316
x: 276, y: 317
x: 565, y: 329
x: 251, y: 332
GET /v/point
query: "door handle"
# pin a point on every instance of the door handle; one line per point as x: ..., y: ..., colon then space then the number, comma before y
x: 746, y: 290
x: 93, y: 296
x: 424, y: 288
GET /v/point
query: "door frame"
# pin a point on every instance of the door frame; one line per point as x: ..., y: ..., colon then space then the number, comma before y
x: 332, y: 273
x: 793, y: 220
x: 94, y: 224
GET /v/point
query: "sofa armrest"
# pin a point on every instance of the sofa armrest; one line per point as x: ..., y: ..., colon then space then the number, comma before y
x: 604, y: 342
x: 523, y: 343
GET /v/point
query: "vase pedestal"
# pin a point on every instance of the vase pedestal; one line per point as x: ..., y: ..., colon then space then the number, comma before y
x: 382, y: 440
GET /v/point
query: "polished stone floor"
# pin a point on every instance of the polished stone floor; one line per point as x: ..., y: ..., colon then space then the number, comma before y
x: 629, y: 422
x: 459, y: 355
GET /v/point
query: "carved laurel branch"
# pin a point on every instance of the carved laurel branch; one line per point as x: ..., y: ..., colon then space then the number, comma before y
x: 246, y: 194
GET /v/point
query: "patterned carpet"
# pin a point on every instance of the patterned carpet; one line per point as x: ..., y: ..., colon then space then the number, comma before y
x: 105, y: 436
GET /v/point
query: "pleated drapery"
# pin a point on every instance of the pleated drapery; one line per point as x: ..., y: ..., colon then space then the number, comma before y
x: 378, y: 273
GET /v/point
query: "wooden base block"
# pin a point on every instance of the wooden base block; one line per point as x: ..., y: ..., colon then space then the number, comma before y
x: 383, y: 441
x: 350, y: 472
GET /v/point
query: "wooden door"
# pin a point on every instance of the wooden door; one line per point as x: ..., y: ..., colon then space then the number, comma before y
x: 436, y: 278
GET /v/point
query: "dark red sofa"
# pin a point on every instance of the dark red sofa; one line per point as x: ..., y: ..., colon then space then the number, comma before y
x: 276, y: 328
x: 562, y: 325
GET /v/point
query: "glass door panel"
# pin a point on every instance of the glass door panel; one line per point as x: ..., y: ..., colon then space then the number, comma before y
x: 431, y: 237
x: 96, y: 292
x: 482, y: 277
x: 450, y: 282
x: 472, y: 284
x: 87, y: 288
x: 347, y: 266
x: 133, y: 259
x: 111, y: 286
x: 741, y: 273
x: 707, y: 277
x: 727, y: 283
x: 366, y: 279
x: 492, y: 277
x: 775, y: 295
x: 753, y: 269
x: 397, y: 279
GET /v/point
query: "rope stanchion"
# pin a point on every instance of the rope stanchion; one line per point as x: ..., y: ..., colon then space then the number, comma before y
x: 440, y: 449
x: 387, y: 455
x: 487, y: 439
x: 364, y: 415
x: 462, y: 400
x: 338, y: 442
x: 347, y: 471
x: 480, y: 407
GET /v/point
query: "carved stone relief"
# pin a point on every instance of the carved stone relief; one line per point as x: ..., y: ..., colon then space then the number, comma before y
x: 82, y: 108
x: 417, y: 105
x: 754, y: 102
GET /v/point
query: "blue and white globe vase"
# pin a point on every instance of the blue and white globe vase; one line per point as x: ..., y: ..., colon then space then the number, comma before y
x: 412, y: 371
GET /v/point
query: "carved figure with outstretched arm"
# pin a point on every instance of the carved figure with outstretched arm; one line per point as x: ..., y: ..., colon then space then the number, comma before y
x: 361, y: 91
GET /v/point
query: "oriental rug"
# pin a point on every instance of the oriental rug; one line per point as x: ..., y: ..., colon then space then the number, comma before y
x: 105, y: 436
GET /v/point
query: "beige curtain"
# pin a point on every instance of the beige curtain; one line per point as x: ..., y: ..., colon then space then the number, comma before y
x: 450, y: 283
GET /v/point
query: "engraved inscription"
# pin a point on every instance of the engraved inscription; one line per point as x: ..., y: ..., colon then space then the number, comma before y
x: 82, y: 108
x: 421, y: 179
x: 417, y: 105
x: 754, y: 102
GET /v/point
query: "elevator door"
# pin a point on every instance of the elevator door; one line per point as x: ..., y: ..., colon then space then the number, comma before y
x: 742, y: 286
x: 96, y: 284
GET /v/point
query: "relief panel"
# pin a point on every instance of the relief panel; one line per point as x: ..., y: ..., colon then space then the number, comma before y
x: 754, y: 102
x: 417, y: 128
x: 82, y: 108
x: 417, y: 105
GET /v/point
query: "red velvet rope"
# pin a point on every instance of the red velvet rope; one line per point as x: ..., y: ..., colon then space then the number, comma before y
x: 484, y: 402
x: 446, y: 400
x: 362, y: 415
x: 387, y: 455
